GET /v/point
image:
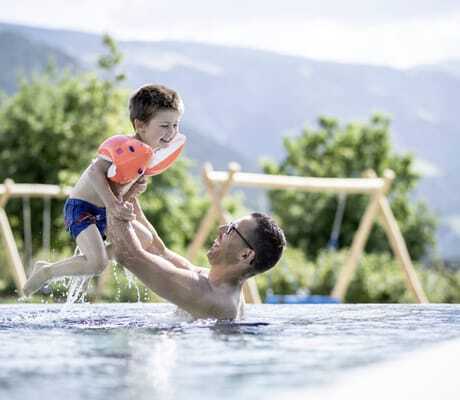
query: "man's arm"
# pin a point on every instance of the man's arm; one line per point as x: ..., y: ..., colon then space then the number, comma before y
x: 158, y: 245
x: 187, y: 289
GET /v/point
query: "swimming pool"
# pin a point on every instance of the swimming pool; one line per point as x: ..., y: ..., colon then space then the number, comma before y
x: 147, y: 351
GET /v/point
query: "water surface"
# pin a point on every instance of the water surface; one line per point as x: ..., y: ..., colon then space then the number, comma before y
x: 148, y: 351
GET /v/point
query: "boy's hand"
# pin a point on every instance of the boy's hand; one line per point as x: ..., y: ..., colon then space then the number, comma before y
x: 122, y: 210
x: 139, y: 187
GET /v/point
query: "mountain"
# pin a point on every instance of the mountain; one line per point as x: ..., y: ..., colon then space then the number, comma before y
x: 22, y: 57
x: 28, y: 50
x: 451, y: 67
x: 246, y: 100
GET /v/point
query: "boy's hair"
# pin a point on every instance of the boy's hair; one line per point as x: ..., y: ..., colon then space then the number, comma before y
x: 149, y: 99
x: 268, y: 241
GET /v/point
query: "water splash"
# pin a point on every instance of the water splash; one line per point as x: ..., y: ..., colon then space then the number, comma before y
x: 130, y: 277
x: 146, y: 295
x: 117, y: 282
x: 77, y: 287
x: 132, y: 282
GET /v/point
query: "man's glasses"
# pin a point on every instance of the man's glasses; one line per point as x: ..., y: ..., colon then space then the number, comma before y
x: 232, y: 227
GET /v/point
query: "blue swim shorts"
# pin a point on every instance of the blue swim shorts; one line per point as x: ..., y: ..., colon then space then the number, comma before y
x: 79, y: 214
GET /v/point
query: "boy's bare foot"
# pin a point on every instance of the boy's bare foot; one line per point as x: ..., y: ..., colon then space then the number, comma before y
x: 37, y: 278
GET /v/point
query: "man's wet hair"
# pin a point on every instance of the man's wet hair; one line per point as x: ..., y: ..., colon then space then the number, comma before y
x: 268, y: 241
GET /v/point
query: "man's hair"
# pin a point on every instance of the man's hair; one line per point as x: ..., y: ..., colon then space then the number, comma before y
x: 149, y: 99
x: 268, y: 241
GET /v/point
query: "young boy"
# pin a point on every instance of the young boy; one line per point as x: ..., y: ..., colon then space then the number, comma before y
x: 155, y: 112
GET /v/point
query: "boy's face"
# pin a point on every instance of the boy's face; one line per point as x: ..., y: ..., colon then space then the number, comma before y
x: 160, y: 130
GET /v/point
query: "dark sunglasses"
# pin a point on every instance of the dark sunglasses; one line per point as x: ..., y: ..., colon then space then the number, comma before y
x: 232, y: 227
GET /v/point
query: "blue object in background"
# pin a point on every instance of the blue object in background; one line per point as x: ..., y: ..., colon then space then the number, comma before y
x: 300, y: 299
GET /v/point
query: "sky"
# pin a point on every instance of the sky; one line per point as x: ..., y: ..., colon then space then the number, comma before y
x: 397, y: 33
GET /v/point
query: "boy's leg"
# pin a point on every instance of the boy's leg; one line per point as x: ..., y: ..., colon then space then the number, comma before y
x: 92, y: 261
x: 95, y: 257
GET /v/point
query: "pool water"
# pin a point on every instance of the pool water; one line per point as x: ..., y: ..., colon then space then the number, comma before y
x: 149, y: 351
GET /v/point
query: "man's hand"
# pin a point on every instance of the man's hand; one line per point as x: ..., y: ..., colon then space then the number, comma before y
x: 121, y: 210
x: 138, y: 188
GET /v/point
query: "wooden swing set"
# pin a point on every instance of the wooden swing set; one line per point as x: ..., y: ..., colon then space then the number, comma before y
x: 218, y: 184
x: 9, y: 190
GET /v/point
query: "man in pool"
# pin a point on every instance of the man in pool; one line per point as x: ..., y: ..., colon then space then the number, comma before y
x: 242, y: 249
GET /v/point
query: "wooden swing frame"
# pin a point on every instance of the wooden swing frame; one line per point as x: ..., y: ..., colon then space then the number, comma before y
x: 218, y: 183
x: 9, y: 190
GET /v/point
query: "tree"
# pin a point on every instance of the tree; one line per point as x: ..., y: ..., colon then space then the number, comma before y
x: 347, y: 151
x: 50, y: 131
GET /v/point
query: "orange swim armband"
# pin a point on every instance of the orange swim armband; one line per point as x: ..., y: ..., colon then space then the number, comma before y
x: 132, y: 158
x: 166, y: 156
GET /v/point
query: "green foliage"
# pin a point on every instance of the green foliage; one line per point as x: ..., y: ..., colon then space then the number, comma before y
x: 112, y: 60
x: 6, y: 281
x: 378, y: 279
x: 333, y: 150
x: 53, y: 125
x: 173, y: 205
x: 50, y: 131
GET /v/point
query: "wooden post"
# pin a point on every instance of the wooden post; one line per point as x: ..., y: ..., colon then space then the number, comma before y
x: 208, y: 220
x: 12, y: 253
x: 357, y: 248
x: 399, y: 248
x: 8, y: 184
x: 306, y: 184
x: 398, y: 245
x: 359, y: 241
x: 251, y: 292
x: 215, y: 197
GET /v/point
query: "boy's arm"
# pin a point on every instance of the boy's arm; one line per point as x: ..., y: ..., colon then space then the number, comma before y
x: 157, y: 243
x: 97, y: 174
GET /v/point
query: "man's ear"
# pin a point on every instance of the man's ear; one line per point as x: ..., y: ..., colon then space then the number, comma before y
x: 248, y: 255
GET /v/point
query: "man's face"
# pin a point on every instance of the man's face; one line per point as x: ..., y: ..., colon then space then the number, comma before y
x: 232, y: 241
x: 161, y: 129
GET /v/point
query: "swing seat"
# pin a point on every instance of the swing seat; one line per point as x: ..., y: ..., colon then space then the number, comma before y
x: 300, y: 299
